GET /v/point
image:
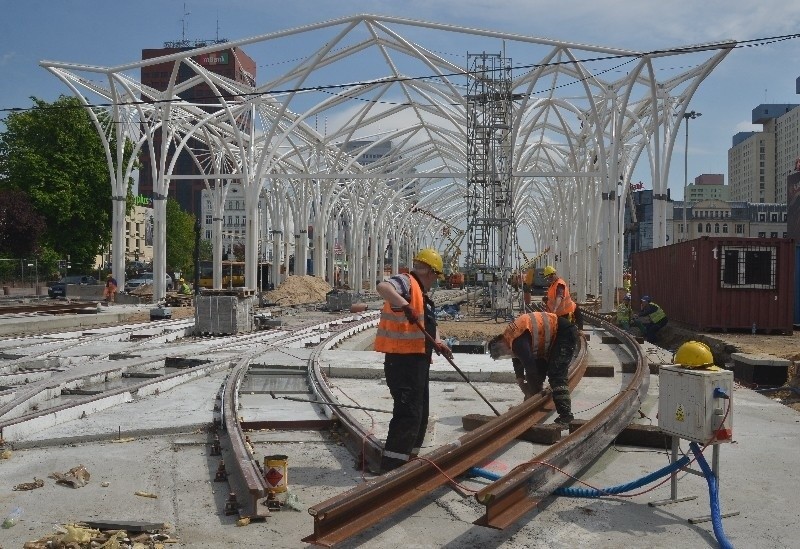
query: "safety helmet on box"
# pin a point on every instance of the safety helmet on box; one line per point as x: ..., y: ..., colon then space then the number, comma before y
x: 432, y: 259
x: 694, y: 354
x: 549, y: 270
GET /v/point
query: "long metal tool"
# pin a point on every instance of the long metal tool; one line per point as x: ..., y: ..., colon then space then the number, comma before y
x: 332, y: 404
x: 453, y: 364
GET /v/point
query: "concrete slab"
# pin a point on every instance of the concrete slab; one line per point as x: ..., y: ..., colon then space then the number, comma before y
x: 162, y: 447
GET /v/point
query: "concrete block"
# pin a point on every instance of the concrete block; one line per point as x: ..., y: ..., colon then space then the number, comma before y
x: 647, y: 436
x: 548, y: 433
x: 599, y: 370
x: 761, y: 369
x: 473, y: 347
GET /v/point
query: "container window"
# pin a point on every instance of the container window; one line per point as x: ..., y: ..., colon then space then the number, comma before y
x: 748, y: 267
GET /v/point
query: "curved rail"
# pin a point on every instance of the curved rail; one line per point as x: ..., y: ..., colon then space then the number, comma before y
x: 367, y: 504
x: 516, y: 493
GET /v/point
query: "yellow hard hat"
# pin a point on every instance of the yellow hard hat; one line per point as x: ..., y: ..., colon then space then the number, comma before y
x: 549, y: 270
x: 694, y: 354
x: 432, y: 259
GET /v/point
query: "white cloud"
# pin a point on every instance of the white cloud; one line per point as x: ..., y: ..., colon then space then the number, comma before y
x: 6, y: 58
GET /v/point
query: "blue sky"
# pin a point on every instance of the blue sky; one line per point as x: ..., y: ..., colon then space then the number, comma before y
x: 111, y: 33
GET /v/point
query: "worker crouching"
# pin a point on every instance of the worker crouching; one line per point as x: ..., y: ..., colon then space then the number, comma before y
x: 540, y: 345
x: 408, y: 354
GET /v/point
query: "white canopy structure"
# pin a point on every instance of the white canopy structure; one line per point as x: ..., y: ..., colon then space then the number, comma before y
x: 583, y: 117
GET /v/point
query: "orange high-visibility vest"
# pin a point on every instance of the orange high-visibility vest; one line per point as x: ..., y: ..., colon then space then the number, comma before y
x: 543, y: 328
x: 395, y: 333
x: 567, y: 305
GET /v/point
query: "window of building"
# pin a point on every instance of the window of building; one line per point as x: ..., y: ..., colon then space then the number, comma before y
x: 774, y: 217
x: 209, y: 219
x: 716, y: 227
x: 748, y: 267
x: 725, y: 228
x: 708, y: 227
x: 773, y: 235
x: 762, y: 235
x: 699, y: 227
x: 762, y: 216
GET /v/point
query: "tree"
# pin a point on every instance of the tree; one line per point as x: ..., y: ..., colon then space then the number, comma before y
x: 21, y: 226
x: 180, y: 239
x: 54, y: 154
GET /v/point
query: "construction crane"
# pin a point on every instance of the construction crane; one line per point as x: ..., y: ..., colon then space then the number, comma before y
x: 453, y: 277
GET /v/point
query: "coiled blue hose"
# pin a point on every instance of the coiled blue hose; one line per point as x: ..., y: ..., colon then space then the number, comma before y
x: 579, y: 492
x: 713, y: 494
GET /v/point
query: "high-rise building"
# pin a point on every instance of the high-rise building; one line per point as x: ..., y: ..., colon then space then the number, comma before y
x: 758, y: 161
x: 232, y: 63
x: 708, y: 186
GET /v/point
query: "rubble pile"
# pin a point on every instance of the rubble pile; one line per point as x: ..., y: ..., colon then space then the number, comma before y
x: 299, y: 290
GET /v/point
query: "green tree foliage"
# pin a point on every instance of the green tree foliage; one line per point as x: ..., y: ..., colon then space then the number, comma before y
x: 21, y: 226
x: 53, y: 153
x: 180, y: 240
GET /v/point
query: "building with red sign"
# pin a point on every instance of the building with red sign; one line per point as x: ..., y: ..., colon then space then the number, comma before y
x: 231, y: 63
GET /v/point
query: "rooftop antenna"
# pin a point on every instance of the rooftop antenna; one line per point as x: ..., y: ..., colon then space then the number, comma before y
x: 217, y: 37
x: 184, y: 23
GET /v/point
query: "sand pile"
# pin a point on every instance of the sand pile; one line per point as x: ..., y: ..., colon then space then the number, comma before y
x: 298, y: 290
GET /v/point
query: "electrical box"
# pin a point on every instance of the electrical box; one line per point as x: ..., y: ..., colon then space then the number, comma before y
x: 692, y: 403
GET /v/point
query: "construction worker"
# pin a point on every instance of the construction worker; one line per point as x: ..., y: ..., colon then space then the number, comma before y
x: 408, y: 353
x: 624, y: 312
x: 651, y: 319
x: 559, y: 300
x: 540, y: 344
x: 110, y: 290
x: 183, y: 287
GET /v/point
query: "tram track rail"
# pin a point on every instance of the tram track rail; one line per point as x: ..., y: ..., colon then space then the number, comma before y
x: 367, y: 504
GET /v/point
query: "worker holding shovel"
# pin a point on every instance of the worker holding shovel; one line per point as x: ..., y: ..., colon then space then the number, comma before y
x: 408, y: 349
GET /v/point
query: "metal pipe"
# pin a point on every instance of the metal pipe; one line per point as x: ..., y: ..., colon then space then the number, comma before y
x: 453, y: 364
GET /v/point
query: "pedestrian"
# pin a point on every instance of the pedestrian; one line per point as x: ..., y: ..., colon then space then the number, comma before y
x: 408, y: 353
x: 624, y: 312
x: 110, y: 290
x: 651, y: 319
x: 540, y: 345
x: 559, y: 300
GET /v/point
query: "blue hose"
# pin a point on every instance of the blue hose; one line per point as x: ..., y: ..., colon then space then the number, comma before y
x: 713, y: 493
x: 595, y: 492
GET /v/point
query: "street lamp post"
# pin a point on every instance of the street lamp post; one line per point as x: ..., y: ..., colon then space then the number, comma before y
x: 691, y: 115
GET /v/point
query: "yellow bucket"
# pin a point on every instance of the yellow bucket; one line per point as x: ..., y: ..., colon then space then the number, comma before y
x: 276, y: 473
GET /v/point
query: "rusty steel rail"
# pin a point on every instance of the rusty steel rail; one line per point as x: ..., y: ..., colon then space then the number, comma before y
x: 519, y: 491
x: 367, y: 504
x: 242, y: 469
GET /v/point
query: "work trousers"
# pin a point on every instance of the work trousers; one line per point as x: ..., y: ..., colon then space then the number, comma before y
x: 407, y: 377
x: 558, y: 366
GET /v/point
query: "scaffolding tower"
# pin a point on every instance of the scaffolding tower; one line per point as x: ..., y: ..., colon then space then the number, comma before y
x: 491, y: 228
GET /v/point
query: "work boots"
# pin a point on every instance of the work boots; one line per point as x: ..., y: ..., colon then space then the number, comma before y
x: 563, y: 404
x: 524, y: 386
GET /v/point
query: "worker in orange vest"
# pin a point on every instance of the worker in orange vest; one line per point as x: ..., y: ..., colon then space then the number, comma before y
x: 408, y: 353
x: 559, y: 300
x: 540, y: 344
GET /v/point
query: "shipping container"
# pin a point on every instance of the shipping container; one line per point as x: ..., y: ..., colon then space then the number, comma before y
x: 721, y: 283
x: 797, y: 286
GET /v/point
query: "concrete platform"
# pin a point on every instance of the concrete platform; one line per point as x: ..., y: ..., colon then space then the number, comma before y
x: 158, y: 444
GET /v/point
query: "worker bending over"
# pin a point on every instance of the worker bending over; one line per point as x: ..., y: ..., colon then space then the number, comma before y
x: 540, y: 344
x: 408, y: 354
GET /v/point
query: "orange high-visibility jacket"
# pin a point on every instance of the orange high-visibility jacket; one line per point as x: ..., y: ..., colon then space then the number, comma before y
x: 543, y: 328
x: 567, y: 305
x: 395, y: 333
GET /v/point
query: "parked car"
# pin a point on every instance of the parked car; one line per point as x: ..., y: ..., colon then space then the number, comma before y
x: 146, y: 278
x: 59, y: 289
